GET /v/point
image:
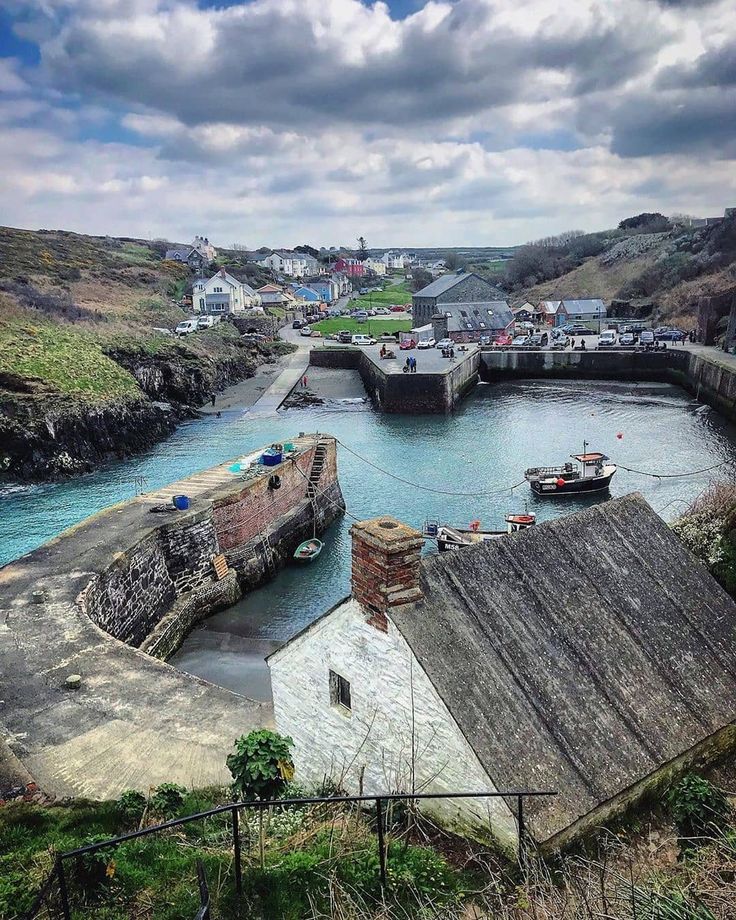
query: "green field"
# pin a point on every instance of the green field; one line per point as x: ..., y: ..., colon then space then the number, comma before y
x: 370, y: 326
x: 395, y: 293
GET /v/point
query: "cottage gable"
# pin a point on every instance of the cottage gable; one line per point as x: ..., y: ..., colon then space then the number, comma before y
x: 460, y: 287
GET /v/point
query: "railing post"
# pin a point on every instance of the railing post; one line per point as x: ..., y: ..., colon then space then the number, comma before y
x: 520, y: 822
x: 381, y: 847
x: 63, y: 894
x: 236, y: 856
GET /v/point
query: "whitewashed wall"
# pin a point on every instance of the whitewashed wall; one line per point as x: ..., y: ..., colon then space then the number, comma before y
x: 376, y: 736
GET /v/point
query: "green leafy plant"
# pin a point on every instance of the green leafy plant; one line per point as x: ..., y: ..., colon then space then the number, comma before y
x: 697, y: 806
x: 261, y: 764
x: 167, y: 799
x: 132, y: 804
x: 95, y: 871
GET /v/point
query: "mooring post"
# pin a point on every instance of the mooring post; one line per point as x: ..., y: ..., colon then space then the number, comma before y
x: 63, y: 894
x: 236, y: 856
x: 381, y: 847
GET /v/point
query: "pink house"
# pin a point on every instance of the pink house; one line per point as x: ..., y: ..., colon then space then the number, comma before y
x: 350, y: 267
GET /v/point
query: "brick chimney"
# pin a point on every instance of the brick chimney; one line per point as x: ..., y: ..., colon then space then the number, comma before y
x: 386, y: 557
x: 222, y: 272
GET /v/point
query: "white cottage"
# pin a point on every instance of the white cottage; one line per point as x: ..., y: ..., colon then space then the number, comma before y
x: 482, y: 670
x: 222, y: 294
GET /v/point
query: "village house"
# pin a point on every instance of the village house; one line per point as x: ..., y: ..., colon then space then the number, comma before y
x: 484, y: 669
x: 472, y: 322
x: 551, y: 312
x: 526, y: 313
x: 583, y: 311
x: 343, y: 282
x: 188, y: 256
x: 222, y: 294
x: 306, y: 294
x: 395, y: 261
x: 353, y: 268
x: 272, y: 295
x: 377, y: 266
x: 205, y: 248
x: 287, y: 263
x: 328, y: 290
x: 455, y: 288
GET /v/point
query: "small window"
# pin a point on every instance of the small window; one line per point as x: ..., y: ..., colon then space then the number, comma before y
x: 339, y: 691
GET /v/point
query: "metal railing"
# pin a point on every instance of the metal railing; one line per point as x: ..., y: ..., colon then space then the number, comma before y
x: 58, y: 874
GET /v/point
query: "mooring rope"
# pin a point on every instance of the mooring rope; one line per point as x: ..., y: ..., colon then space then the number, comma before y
x: 706, y: 469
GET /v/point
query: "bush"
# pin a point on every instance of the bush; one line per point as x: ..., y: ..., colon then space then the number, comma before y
x: 132, y: 804
x: 167, y: 800
x: 698, y: 807
x: 261, y: 765
x: 94, y: 871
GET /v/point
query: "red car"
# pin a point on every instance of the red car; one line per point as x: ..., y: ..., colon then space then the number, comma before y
x: 397, y: 308
x: 503, y: 341
x: 407, y: 345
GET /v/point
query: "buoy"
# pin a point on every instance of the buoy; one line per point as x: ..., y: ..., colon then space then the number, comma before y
x: 560, y: 483
x: 274, y: 481
x: 475, y: 526
x: 620, y: 435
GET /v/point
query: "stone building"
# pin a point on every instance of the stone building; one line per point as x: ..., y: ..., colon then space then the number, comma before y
x: 483, y: 670
x: 472, y: 322
x: 456, y: 288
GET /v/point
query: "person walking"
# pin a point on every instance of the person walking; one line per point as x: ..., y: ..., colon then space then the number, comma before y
x: 408, y: 364
x: 413, y: 365
x: 304, y: 381
x: 213, y: 397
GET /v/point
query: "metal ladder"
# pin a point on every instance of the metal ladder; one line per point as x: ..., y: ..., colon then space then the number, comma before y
x: 318, y: 464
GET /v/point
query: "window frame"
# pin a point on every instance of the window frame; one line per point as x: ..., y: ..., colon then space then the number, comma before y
x: 340, y: 692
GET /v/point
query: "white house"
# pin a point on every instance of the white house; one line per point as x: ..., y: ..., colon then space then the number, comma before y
x: 285, y: 262
x: 222, y: 294
x: 480, y: 670
x: 395, y: 261
x: 205, y: 248
x: 375, y: 265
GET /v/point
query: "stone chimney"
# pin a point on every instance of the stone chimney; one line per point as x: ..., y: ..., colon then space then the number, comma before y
x: 386, y: 557
x: 222, y: 272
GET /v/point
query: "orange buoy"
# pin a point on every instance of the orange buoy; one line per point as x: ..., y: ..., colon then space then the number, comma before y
x: 560, y: 483
x: 474, y: 526
x: 620, y: 435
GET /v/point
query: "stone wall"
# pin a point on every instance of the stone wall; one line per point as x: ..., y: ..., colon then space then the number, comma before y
x: 154, y: 591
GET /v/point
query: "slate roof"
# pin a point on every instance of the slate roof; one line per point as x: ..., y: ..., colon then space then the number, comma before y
x: 445, y: 282
x: 479, y: 316
x: 550, y: 306
x: 578, y: 655
x: 593, y: 307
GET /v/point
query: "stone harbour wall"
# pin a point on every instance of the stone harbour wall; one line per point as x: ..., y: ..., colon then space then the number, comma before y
x: 153, y: 592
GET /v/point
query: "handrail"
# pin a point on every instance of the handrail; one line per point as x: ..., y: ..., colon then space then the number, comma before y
x: 235, y: 807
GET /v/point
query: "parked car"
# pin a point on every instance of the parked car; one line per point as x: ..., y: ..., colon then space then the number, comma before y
x: 186, y: 326
x: 426, y: 343
x: 207, y: 322
x: 407, y: 345
x: 559, y: 341
x: 363, y: 340
x: 316, y: 334
x: 382, y: 311
x: 579, y: 329
x: 607, y: 339
x: 359, y: 314
x: 396, y: 308
x: 671, y: 335
x: 627, y: 339
x: 345, y: 336
x: 520, y: 341
x: 162, y: 330
x: 388, y: 337
x: 297, y: 324
x: 646, y: 337
x: 254, y: 337
x: 444, y: 343
x: 503, y: 340
x: 305, y: 331
x: 539, y: 340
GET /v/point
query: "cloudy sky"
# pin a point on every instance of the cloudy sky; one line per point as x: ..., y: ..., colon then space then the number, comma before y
x: 447, y: 122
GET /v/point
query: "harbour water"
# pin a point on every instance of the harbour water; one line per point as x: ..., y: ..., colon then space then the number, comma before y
x: 483, y: 449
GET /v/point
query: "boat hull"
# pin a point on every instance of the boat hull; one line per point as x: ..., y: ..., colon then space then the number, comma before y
x: 552, y: 489
x: 308, y: 550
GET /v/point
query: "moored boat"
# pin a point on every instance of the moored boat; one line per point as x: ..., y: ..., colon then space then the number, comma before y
x: 450, y: 538
x: 308, y: 550
x: 591, y: 472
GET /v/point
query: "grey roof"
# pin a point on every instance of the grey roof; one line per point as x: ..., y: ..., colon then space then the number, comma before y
x: 485, y: 315
x: 180, y: 253
x: 550, y: 306
x: 594, y: 307
x: 445, y: 282
x: 578, y: 655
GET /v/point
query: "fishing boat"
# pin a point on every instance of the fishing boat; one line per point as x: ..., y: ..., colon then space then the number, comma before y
x: 590, y: 472
x: 450, y: 538
x: 308, y: 550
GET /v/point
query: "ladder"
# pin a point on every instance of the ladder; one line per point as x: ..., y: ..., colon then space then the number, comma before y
x: 318, y: 464
x: 268, y: 554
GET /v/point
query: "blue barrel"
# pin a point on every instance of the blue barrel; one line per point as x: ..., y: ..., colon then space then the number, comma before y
x: 181, y: 502
x: 271, y: 457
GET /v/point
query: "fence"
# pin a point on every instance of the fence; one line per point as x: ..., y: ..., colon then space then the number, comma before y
x: 55, y: 889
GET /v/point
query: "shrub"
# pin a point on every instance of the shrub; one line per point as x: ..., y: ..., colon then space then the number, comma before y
x: 261, y: 764
x: 697, y: 806
x: 167, y: 799
x: 132, y: 804
x: 94, y: 871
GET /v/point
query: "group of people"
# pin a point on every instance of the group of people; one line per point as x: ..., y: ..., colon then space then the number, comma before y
x: 411, y: 365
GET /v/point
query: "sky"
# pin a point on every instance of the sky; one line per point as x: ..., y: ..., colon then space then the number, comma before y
x: 411, y: 123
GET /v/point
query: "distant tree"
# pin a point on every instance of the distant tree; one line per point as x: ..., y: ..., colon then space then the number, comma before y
x: 362, y: 252
x: 307, y: 250
x: 454, y: 261
x: 239, y: 247
x: 420, y: 278
x: 650, y: 222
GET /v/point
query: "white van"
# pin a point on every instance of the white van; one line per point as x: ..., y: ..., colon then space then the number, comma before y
x: 207, y: 322
x: 607, y: 339
x: 363, y: 340
x: 186, y: 326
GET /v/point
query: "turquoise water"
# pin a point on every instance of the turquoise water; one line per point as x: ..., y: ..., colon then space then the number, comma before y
x: 498, y: 431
